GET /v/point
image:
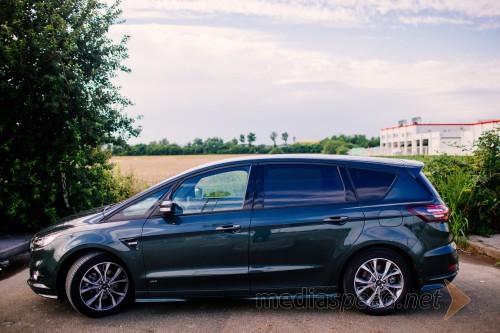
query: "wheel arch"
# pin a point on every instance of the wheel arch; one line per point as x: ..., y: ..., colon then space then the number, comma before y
x: 405, y: 255
x: 71, y: 258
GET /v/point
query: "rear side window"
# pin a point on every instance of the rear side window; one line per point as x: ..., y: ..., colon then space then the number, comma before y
x: 371, y: 184
x: 299, y: 184
x: 427, y: 185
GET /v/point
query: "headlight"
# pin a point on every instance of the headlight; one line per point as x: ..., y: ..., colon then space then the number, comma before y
x: 42, y: 241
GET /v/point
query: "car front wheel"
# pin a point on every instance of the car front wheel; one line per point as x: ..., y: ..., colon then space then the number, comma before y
x: 379, y: 280
x: 98, y: 285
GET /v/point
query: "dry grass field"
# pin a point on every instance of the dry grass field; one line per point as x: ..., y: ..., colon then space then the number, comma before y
x: 153, y: 169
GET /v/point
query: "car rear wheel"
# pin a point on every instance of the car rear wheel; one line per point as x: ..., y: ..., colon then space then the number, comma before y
x: 98, y: 285
x: 378, y: 280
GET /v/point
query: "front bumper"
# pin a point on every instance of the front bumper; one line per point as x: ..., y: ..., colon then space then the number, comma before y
x: 43, y: 273
x: 41, y: 289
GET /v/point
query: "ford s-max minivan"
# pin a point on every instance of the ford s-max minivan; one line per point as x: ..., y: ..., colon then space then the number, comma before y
x: 372, y: 228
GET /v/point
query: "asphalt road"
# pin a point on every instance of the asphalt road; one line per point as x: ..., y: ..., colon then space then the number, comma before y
x: 23, y: 311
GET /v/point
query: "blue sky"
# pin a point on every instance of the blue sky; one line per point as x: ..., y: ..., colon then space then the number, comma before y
x: 310, y: 68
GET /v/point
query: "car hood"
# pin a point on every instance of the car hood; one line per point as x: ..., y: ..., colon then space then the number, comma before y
x: 82, y: 218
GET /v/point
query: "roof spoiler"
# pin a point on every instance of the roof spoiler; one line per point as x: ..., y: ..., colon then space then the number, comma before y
x: 413, y: 167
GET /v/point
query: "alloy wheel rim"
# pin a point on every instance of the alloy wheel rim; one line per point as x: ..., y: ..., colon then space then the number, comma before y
x: 104, y: 286
x: 378, y: 283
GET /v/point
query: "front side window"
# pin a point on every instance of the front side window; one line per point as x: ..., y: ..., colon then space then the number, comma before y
x: 302, y: 184
x: 214, y: 191
x: 141, y: 208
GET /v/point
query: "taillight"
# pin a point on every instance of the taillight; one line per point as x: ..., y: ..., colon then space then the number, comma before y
x: 431, y: 213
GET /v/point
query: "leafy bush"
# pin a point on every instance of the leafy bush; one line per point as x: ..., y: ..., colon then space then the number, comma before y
x: 470, y: 185
x: 452, y: 177
x: 53, y: 194
x: 485, y: 215
x: 276, y: 150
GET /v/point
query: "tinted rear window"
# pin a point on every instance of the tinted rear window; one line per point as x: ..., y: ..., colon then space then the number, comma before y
x: 297, y: 184
x: 371, y: 184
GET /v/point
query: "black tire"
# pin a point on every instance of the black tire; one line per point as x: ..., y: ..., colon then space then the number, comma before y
x: 98, y: 285
x: 380, y: 291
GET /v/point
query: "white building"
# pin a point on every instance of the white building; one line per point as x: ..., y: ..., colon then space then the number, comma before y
x: 427, y: 139
x: 431, y: 139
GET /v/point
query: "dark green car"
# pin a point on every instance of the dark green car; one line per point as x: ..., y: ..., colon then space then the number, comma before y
x: 249, y: 227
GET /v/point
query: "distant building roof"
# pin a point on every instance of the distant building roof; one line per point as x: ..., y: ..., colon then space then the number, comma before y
x: 444, y: 124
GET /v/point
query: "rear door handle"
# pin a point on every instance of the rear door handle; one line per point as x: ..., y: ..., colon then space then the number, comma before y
x: 340, y: 220
x: 228, y: 227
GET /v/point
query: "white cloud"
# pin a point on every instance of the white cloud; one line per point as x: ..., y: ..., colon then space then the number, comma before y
x: 222, y: 53
x: 215, y: 77
x: 489, y: 26
x: 338, y: 13
x: 294, y: 11
x: 433, y: 20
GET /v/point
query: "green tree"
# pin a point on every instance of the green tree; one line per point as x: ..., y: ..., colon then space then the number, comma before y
x: 273, y: 137
x: 374, y: 142
x: 213, y: 145
x: 251, y: 138
x: 284, y: 136
x: 242, y: 139
x: 330, y: 146
x: 343, y: 149
x: 198, y: 142
x: 59, y: 107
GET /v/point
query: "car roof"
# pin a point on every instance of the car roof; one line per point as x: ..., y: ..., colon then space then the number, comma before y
x: 416, y: 166
x: 343, y: 159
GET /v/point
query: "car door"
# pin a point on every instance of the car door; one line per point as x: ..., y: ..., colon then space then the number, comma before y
x: 305, y: 217
x: 203, y: 248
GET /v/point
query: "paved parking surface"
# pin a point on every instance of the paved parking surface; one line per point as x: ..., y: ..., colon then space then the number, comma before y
x: 23, y: 311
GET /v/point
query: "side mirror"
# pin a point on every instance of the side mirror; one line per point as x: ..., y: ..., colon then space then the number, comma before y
x: 198, y: 193
x: 167, y: 208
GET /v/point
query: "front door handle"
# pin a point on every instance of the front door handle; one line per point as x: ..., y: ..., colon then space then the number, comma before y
x: 228, y: 227
x: 340, y: 220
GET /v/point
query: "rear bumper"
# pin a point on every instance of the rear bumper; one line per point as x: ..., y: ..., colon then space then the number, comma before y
x: 439, y: 282
x: 439, y: 267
